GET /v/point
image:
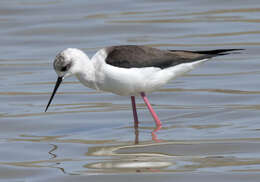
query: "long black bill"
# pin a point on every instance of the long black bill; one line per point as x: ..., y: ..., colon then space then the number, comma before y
x: 58, y: 82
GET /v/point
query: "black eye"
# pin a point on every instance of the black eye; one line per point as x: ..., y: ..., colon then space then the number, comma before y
x: 65, y: 68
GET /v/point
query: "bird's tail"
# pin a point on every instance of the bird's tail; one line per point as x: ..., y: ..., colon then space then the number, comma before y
x: 217, y: 51
x: 212, y: 53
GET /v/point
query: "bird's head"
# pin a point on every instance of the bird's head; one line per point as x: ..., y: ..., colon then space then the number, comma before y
x: 68, y: 62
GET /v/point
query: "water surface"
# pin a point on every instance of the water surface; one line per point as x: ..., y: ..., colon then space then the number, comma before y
x: 211, y: 128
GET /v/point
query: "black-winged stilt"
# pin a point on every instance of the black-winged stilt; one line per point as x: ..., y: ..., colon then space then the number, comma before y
x: 129, y: 70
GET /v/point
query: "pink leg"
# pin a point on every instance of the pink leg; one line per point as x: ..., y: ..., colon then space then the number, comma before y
x: 134, y: 111
x: 155, y: 117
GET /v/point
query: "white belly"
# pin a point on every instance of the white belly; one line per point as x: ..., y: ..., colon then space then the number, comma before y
x: 132, y: 81
x: 124, y: 81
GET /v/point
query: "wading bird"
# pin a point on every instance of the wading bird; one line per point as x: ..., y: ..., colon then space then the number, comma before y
x: 129, y: 70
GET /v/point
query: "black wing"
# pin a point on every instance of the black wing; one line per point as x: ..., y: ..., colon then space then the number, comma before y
x: 133, y: 56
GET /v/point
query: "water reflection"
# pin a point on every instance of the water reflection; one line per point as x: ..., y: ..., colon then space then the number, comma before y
x: 153, y: 133
x: 134, y: 165
x: 143, y: 156
x: 53, y: 162
x: 154, y: 136
x: 54, y: 156
x: 136, y: 135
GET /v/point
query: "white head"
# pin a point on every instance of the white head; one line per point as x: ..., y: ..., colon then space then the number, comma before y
x: 68, y: 62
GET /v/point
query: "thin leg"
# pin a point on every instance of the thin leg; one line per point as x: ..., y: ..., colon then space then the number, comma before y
x: 134, y: 111
x: 155, y: 117
x: 136, y: 135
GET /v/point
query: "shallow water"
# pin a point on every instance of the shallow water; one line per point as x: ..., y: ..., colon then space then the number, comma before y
x: 211, y: 128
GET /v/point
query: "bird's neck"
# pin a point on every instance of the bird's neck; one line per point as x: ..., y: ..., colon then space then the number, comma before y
x: 86, y: 73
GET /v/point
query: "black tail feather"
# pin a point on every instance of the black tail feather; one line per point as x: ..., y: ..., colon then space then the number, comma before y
x: 217, y: 51
x: 212, y: 53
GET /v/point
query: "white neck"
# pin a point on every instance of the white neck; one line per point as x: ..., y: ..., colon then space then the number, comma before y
x: 83, y: 68
x: 86, y: 73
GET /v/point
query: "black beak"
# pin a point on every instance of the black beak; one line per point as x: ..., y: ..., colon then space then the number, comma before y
x: 58, y: 82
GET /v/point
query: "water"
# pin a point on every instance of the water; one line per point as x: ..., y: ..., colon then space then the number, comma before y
x: 210, y: 116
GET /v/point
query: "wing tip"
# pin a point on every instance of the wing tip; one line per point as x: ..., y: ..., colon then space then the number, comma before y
x: 218, y: 51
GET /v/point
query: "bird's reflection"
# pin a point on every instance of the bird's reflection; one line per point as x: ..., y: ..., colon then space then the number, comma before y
x: 136, y: 135
x: 154, y: 135
x: 130, y: 157
x: 54, y: 147
x: 119, y: 159
x: 53, y: 156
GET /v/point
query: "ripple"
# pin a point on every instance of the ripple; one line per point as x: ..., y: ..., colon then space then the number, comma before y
x: 226, y: 34
x: 224, y: 91
x: 223, y: 11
